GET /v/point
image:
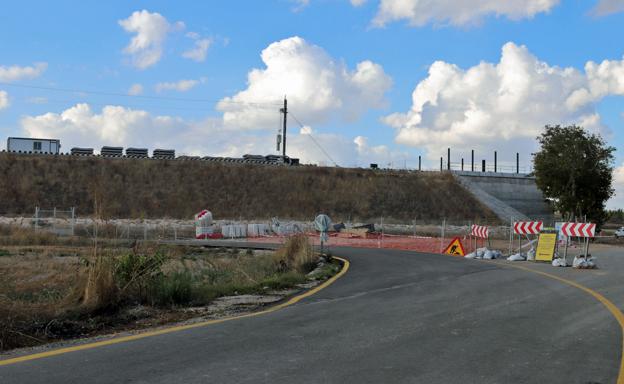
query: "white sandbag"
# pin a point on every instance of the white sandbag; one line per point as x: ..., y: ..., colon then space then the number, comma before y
x: 479, y: 253
x: 591, y: 262
x: 471, y: 255
x: 488, y: 255
x: 579, y: 262
x: 530, y: 256
x: 557, y: 262
x: 497, y: 254
x: 516, y: 257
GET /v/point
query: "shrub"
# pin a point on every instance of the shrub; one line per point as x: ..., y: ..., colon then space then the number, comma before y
x: 174, y: 289
x: 296, y: 255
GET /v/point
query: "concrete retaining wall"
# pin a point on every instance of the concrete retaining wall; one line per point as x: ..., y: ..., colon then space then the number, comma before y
x: 518, y: 191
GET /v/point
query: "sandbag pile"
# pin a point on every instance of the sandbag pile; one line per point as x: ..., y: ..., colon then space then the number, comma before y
x: 582, y: 262
x: 484, y: 253
x: 559, y: 262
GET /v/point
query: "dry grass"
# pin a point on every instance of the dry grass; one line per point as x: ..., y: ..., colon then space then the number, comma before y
x: 56, y: 292
x: 154, y: 189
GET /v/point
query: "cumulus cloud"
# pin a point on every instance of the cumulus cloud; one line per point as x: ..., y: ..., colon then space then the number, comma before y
x: 503, y: 105
x: 200, y: 50
x: 318, y: 87
x: 459, y: 13
x: 16, y: 73
x: 617, y: 201
x: 357, y: 3
x: 607, y: 7
x: 180, y: 85
x: 135, y: 89
x: 150, y: 29
x: 4, y: 100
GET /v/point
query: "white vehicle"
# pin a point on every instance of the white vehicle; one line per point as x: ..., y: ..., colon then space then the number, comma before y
x: 619, y: 233
x: 24, y: 144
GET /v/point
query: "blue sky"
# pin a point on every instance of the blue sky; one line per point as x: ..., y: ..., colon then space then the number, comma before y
x: 357, y: 114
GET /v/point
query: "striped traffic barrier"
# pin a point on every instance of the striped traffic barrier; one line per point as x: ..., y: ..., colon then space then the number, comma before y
x: 528, y: 227
x: 480, y: 231
x: 579, y: 229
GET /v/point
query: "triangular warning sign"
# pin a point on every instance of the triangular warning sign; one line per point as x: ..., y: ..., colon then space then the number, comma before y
x: 455, y: 248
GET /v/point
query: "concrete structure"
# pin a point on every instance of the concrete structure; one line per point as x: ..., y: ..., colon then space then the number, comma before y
x: 509, y: 195
x: 27, y: 144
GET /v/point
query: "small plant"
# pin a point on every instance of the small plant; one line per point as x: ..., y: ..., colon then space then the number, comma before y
x: 136, y: 271
x: 174, y: 289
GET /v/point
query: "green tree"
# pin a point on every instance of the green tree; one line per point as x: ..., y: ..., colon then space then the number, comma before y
x: 574, y: 168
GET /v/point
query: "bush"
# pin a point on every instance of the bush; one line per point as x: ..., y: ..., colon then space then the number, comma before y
x: 296, y: 255
x: 175, y: 289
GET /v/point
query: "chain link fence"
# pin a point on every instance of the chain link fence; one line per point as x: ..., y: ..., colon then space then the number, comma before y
x: 425, y: 235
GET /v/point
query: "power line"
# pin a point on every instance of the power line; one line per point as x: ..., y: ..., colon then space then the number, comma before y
x: 103, y: 93
x: 125, y: 105
x: 314, y: 140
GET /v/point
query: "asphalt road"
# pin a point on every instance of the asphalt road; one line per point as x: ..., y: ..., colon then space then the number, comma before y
x: 395, y: 317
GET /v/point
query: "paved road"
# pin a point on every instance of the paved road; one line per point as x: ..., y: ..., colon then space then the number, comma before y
x: 395, y: 317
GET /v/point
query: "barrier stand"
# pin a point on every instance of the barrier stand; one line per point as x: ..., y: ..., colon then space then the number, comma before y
x: 479, y: 231
x: 526, y: 228
x: 585, y: 230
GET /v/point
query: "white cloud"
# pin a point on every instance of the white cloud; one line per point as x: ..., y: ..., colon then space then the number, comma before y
x: 4, y: 100
x: 607, y: 7
x: 318, y: 87
x: 180, y: 86
x: 16, y: 73
x: 115, y: 125
x: 200, y: 50
x: 150, y: 31
x: 617, y: 201
x: 135, y: 89
x: 465, y: 12
x: 300, y: 5
x: 502, y: 105
x: 357, y: 3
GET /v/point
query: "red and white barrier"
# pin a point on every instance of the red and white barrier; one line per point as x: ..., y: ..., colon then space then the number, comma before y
x: 579, y: 229
x: 479, y: 231
x: 203, y: 224
x: 528, y: 227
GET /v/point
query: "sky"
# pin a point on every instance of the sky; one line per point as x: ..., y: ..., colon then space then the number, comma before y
x: 367, y: 81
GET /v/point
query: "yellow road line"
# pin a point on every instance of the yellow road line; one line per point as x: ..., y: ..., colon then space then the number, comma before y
x: 117, y: 340
x: 615, y: 311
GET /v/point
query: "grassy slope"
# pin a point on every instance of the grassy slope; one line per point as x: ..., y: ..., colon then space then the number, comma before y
x: 131, y: 188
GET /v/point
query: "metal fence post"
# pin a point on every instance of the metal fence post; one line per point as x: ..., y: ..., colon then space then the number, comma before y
x: 36, y: 218
x: 442, y: 237
x: 510, y: 234
x: 73, y: 221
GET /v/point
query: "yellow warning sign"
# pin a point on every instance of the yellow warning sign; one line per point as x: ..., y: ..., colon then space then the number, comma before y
x: 546, y: 247
x: 455, y: 248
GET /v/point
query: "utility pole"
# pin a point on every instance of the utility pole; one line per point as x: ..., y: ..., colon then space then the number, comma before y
x: 285, y: 112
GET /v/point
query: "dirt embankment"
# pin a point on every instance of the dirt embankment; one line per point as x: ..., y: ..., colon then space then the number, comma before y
x: 143, y: 188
